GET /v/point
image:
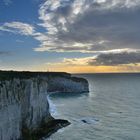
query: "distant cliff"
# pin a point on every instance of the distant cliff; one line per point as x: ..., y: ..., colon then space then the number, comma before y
x: 67, y: 84
x: 24, y: 105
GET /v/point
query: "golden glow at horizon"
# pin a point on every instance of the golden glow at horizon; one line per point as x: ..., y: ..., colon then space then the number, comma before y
x: 78, y: 68
x: 89, y: 69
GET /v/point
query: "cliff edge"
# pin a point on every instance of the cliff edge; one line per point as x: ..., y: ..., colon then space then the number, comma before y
x: 24, y: 108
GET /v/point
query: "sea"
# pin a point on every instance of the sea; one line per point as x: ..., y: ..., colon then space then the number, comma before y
x: 110, y: 111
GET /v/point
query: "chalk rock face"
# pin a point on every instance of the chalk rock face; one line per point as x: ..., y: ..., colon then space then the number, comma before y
x: 68, y: 85
x: 23, y: 99
x: 22, y: 102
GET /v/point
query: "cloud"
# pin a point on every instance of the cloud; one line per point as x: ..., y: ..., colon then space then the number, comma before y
x: 19, y: 41
x: 7, y: 2
x: 23, y: 29
x: 116, y: 58
x: 107, y: 58
x: 86, y: 26
x: 73, y: 47
x: 115, y: 23
x: 18, y: 27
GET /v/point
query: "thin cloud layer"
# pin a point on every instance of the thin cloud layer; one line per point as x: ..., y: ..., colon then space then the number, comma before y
x: 108, y: 58
x: 7, y: 2
x: 18, y: 27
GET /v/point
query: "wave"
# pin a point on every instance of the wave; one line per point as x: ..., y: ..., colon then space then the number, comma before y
x: 52, y: 107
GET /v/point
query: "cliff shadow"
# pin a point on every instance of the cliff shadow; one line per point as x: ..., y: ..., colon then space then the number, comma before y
x: 68, y: 95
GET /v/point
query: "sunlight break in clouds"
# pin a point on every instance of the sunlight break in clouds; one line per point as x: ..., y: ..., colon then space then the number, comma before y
x: 106, y: 58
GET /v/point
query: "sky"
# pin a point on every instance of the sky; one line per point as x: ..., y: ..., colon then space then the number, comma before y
x: 77, y: 36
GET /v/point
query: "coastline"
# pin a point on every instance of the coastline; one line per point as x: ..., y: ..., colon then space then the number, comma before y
x: 26, y: 93
x: 45, y: 129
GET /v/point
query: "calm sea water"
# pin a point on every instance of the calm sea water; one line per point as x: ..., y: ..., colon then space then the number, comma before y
x: 110, y: 111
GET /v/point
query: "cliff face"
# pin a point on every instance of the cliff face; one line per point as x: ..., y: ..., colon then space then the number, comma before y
x: 67, y: 84
x: 23, y: 102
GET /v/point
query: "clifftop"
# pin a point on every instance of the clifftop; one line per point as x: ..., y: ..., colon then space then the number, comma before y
x: 56, y: 81
x: 24, y: 107
x: 6, y: 75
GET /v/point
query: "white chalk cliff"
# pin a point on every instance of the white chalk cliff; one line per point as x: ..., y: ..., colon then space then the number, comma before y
x: 23, y: 101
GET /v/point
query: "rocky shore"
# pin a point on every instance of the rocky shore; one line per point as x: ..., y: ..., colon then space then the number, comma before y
x: 24, y: 107
x: 44, y: 130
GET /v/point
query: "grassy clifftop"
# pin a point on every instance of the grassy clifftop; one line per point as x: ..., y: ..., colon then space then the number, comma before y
x: 6, y: 75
